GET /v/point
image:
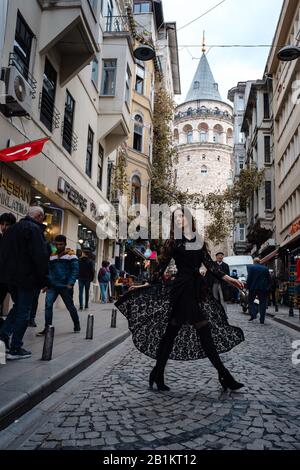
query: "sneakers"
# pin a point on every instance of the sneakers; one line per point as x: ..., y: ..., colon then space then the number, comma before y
x: 32, y: 324
x: 41, y: 333
x: 18, y: 353
x: 77, y: 328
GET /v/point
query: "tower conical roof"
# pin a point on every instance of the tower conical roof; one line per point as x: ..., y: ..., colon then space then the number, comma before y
x: 203, y: 86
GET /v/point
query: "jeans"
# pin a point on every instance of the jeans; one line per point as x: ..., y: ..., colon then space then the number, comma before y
x: 17, y: 320
x: 84, y: 285
x: 67, y: 297
x: 103, y: 289
x: 262, y: 297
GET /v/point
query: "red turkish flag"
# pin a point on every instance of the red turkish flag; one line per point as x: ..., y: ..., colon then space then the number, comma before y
x: 23, y: 151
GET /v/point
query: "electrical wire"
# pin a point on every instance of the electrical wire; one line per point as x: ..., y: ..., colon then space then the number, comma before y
x: 201, y: 16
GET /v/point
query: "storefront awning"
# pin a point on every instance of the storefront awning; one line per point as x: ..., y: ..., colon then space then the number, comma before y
x: 269, y: 257
x: 291, y: 240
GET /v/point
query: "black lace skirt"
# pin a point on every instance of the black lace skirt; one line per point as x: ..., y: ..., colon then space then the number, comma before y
x: 149, y: 310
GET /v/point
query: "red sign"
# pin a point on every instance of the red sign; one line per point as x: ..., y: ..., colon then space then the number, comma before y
x: 23, y: 151
x: 295, y: 227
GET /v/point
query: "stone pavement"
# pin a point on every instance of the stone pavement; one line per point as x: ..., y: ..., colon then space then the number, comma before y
x: 113, y: 408
x: 283, y: 317
x: 26, y: 382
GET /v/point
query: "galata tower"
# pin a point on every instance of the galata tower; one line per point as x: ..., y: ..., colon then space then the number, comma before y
x: 203, y: 133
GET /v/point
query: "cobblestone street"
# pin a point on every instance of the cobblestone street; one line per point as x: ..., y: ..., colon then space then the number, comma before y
x: 115, y: 409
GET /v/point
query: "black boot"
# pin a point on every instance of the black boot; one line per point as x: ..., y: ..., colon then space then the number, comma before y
x: 164, y: 351
x: 207, y: 343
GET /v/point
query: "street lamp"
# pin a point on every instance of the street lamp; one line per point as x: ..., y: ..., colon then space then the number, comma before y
x: 289, y: 53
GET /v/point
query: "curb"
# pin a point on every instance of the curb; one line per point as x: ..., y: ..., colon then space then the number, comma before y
x: 287, y: 323
x: 28, y: 400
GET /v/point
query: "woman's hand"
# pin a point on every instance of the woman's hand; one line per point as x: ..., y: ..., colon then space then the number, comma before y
x: 138, y: 287
x: 234, y: 282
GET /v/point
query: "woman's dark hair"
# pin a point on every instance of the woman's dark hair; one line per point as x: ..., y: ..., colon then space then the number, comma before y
x: 105, y: 264
x: 169, y: 244
x: 8, y: 218
x: 60, y: 239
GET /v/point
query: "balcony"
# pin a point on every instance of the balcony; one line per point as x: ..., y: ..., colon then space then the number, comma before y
x: 69, y: 29
x: 203, y: 113
x: 116, y: 24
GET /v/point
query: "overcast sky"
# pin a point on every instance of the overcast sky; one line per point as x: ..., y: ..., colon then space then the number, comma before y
x: 233, y: 22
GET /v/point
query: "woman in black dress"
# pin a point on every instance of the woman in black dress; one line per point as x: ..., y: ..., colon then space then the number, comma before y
x: 182, y: 321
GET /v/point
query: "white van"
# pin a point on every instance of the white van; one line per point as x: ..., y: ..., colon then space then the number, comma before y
x: 239, y: 263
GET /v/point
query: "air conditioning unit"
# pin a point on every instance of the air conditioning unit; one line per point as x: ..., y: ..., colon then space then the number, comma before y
x: 19, y: 93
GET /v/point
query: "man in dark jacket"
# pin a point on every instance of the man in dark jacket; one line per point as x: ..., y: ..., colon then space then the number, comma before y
x: 6, y: 221
x: 24, y: 268
x: 63, y: 273
x: 258, y: 283
x: 86, y: 276
x: 219, y: 288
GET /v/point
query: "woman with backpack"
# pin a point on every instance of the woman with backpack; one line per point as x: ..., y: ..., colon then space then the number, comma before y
x: 104, y: 278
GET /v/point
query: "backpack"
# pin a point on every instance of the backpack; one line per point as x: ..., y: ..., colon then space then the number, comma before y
x: 104, y: 276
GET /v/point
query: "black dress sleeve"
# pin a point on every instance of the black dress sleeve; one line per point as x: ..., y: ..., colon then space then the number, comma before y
x: 210, y: 265
x: 161, y: 267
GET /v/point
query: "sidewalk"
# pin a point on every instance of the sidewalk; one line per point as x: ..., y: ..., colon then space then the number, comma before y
x: 282, y: 316
x: 26, y: 382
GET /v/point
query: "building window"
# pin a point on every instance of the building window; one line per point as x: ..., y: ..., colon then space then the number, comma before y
x: 22, y: 45
x: 241, y: 103
x: 94, y: 4
x: 241, y: 163
x: 68, y: 122
x: 139, y: 81
x: 89, y: 153
x: 204, y: 170
x: 268, y: 195
x: 267, y: 140
x: 128, y: 85
x: 95, y: 72
x: 242, y: 232
x: 266, y: 106
x: 136, y: 190
x: 138, y: 133
x: 218, y: 130
x: 48, y: 95
x: 109, y: 77
x: 218, y: 158
x: 100, y: 166
x: 190, y: 137
x: 188, y: 158
x: 142, y: 7
x: 110, y: 12
x: 203, y: 136
x: 196, y: 85
x: 203, y: 157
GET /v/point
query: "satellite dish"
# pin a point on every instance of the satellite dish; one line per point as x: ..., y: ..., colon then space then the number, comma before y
x: 144, y: 53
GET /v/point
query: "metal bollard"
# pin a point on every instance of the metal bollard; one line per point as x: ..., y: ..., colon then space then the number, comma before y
x: 113, y: 318
x: 90, y: 327
x: 276, y: 308
x: 48, y: 344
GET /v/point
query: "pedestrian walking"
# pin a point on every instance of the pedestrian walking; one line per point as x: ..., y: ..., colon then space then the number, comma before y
x: 219, y: 287
x: 183, y: 322
x: 23, y: 268
x: 63, y: 273
x: 104, y: 278
x: 6, y: 221
x: 258, y: 283
x: 273, y: 289
x: 86, y: 276
x: 114, y: 273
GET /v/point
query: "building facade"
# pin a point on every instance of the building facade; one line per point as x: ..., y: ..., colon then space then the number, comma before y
x: 203, y: 132
x: 63, y: 68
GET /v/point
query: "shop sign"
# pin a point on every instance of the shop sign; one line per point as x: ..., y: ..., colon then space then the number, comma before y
x: 72, y: 194
x: 295, y: 227
x: 15, y: 195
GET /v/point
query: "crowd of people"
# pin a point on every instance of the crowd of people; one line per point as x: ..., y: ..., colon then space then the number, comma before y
x: 29, y: 266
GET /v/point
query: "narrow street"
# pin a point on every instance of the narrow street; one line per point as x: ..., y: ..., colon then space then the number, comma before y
x: 110, y: 407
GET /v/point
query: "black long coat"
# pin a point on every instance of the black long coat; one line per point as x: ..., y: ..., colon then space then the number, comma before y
x: 24, y: 255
